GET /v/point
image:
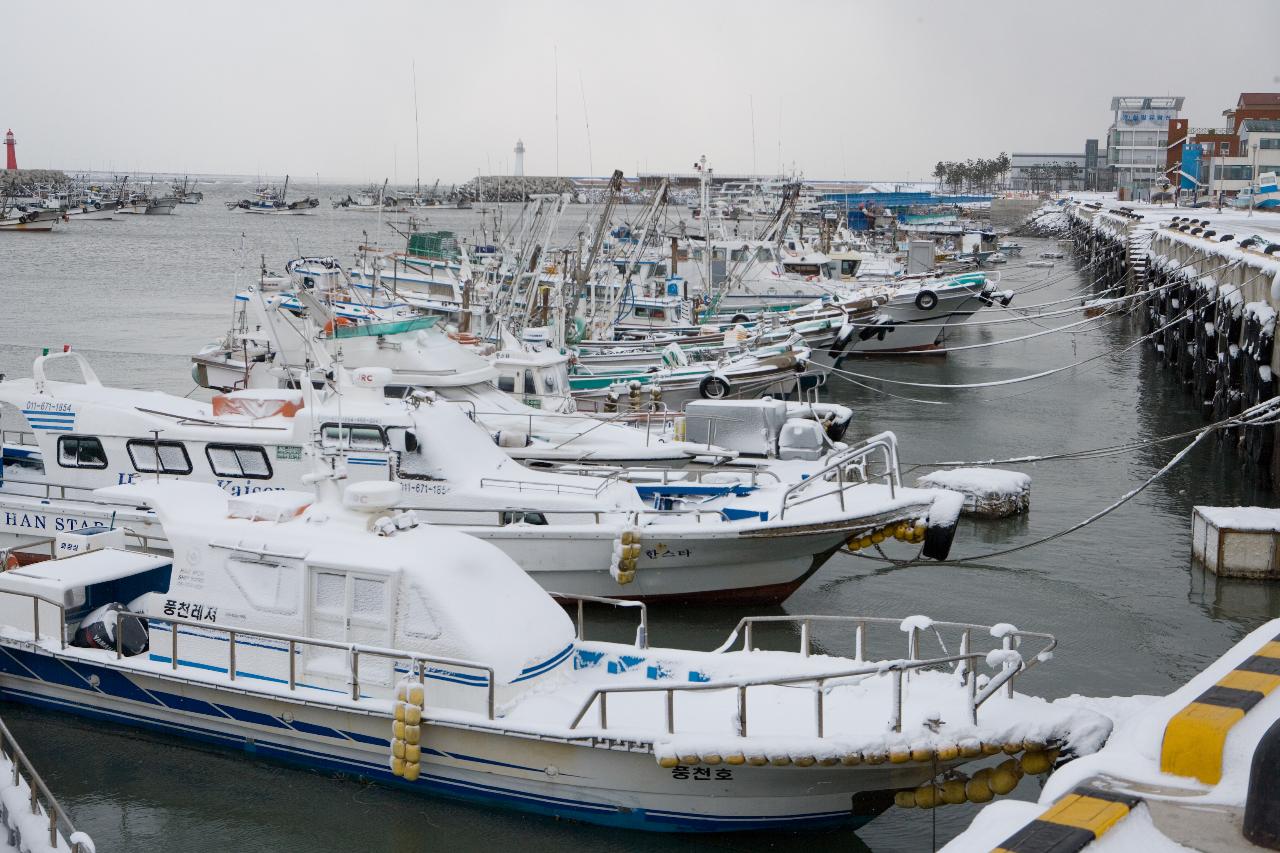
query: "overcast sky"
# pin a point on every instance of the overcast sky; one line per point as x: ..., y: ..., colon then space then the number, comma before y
x: 839, y: 89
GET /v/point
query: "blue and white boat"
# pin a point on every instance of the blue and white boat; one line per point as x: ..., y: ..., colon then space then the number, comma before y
x: 1261, y: 196
x: 332, y: 632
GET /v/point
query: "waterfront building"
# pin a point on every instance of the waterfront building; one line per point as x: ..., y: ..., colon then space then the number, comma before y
x: 1063, y: 171
x: 1138, y: 139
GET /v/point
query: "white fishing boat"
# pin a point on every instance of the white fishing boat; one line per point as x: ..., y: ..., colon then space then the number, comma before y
x: 327, y: 631
x: 269, y: 201
x: 749, y: 535
x: 514, y: 393
x: 913, y: 314
x: 29, y: 221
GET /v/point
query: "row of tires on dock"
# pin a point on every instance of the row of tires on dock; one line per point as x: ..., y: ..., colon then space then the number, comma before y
x: 1216, y: 346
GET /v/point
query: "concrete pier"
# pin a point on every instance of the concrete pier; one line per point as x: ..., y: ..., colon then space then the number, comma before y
x: 1212, y: 292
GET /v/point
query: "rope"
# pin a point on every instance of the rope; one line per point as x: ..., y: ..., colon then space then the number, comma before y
x: 1253, y: 416
x: 1017, y: 379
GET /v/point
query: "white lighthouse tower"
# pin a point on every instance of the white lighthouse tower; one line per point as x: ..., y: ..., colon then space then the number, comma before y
x: 519, y: 172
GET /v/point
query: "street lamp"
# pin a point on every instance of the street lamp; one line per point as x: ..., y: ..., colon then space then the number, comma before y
x: 1253, y: 173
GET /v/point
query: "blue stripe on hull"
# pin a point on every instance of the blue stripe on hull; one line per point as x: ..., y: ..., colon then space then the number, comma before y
x: 429, y: 783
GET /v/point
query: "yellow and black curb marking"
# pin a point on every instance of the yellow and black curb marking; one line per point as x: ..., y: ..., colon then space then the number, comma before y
x: 1195, y: 736
x: 1072, y: 823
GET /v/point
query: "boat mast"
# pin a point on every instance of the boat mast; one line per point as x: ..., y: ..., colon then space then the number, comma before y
x: 417, y: 133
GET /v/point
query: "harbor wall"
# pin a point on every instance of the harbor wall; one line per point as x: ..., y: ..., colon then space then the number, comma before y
x: 1209, y: 308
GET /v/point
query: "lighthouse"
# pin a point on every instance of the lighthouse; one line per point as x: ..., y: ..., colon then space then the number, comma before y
x: 11, y: 151
x: 519, y: 172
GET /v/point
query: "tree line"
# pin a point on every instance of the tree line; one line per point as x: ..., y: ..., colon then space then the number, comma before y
x: 987, y: 174
x: 981, y: 175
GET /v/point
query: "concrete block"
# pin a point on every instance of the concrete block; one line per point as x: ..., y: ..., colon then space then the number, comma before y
x: 1237, y: 542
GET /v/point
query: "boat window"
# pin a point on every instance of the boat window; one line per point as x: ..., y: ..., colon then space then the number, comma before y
x: 329, y: 592
x: 517, y: 517
x: 641, y: 311
x: 238, y: 460
x: 529, y: 386
x: 173, y: 456
x: 657, y: 314
x: 368, y: 597
x: 740, y: 255
x: 267, y: 586
x: 849, y: 268
x: 81, y: 451
x: 507, y: 383
x: 763, y: 253
x: 353, y: 437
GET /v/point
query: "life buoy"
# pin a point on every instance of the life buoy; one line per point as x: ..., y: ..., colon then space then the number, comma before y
x: 739, y: 318
x: 713, y: 387
x: 926, y: 300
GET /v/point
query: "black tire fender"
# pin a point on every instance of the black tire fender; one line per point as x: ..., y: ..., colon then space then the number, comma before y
x: 926, y: 300
x: 937, y: 541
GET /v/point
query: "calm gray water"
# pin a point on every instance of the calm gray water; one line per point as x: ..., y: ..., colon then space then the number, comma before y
x: 1132, y: 616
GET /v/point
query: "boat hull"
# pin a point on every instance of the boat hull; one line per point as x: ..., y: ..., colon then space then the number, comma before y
x: 606, y: 782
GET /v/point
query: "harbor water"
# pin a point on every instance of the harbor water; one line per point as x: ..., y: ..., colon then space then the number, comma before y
x: 139, y: 294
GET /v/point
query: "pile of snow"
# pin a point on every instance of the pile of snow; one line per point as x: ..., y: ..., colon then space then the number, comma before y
x: 1131, y: 760
x: 987, y: 492
x: 1264, y: 314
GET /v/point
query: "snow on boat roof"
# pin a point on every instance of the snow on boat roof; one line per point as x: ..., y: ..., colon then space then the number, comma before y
x: 54, y: 577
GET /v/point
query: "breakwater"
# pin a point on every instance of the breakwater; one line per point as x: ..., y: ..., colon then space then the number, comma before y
x: 1205, y: 285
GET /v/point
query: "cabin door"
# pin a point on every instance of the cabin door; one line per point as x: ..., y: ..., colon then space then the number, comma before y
x: 349, y: 607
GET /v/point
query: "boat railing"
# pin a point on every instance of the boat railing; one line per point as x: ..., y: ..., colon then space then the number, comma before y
x: 580, y: 624
x: 821, y: 682
x: 1011, y: 664
x: 669, y: 476
x: 56, y: 490
x: 625, y: 517
x: 542, y: 486
x: 419, y: 665
x: 40, y: 800
x: 848, y: 468
x: 1010, y: 637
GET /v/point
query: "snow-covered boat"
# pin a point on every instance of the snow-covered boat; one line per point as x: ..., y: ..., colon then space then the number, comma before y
x: 328, y: 631
x: 1263, y: 195
x: 913, y: 314
x: 750, y: 535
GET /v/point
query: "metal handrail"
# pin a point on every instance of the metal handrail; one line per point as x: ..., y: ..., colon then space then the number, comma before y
x: 897, y: 668
x: 557, y: 488
x: 885, y: 442
x: 745, y: 624
x: 642, y: 631
x: 36, y: 601
x: 354, y: 649
x: 58, y: 818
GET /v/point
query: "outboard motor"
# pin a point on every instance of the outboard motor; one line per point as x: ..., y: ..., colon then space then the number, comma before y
x: 98, y: 631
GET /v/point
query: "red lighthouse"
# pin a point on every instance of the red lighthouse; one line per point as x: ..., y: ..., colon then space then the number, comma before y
x: 11, y: 151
